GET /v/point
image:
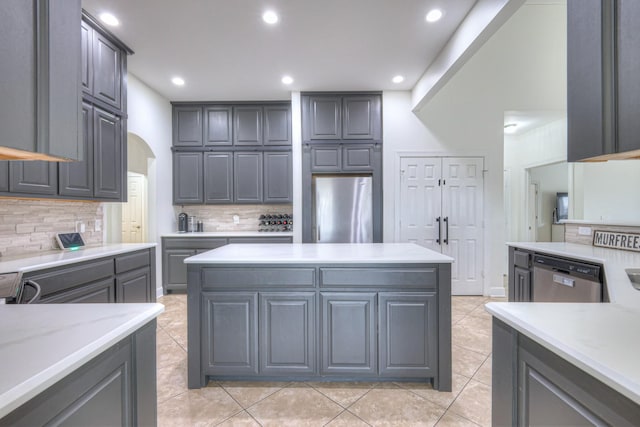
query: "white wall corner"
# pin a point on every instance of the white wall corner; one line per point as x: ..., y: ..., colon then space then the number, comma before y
x: 483, y: 20
x: 497, y: 292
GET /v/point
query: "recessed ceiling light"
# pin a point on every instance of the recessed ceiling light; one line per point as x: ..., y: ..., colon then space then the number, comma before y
x: 270, y: 17
x: 287, y: 80
x: 109, y: 19
x: 510, y: 127
x: 178, y: 81
x: 397, y: 79
x: 434, y: 15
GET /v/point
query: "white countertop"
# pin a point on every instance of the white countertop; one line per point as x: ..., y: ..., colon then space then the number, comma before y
x: 301, y: 253
x: 601, y: 339
x: 57, y: 258
x: 41, y: 344
x: 232, y: 234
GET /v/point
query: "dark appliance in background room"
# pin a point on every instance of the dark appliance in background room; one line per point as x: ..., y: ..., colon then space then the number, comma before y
x: 12, y: 288
x: 342, y: 208
x: 275, y: 222
x: 561, y: 210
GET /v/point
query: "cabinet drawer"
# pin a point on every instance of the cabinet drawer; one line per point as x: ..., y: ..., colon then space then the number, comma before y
x: 418, y: 278
x: 132, y: 261
x: 234, y: 277
x: 521, y: 259
x: 66, y: 278
x: 194, y: 243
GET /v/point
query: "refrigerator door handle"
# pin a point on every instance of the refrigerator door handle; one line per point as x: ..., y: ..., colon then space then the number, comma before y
x: 446, y: 236
x: 439, y: 231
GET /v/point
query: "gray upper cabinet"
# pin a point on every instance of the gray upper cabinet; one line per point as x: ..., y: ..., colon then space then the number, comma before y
x: 278, y: 186
x: 87, y: 54
x: 40, y: 66
x: 358, y: 158
x: 361, y: 117
x: 247, y: 177
x: 108, y: 155
x: 218, y: 124
x: 187, y: 126
x: 218, y: 177
x: 187, y: 178
x: 342, y: 117
x: 76, y: 178
x: 107, y: 70
x: 33, y: 177
x: 603, y: 92
x: 277, y: 125
x: 326, y: 159
x: 247, y: 125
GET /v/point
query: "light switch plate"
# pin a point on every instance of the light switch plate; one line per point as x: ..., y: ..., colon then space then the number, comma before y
x: 584, y: 231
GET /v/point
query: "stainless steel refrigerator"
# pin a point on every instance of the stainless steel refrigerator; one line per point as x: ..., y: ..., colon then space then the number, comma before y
x: 342, y: 209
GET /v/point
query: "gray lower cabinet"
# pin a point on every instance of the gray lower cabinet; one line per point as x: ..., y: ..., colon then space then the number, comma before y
x: 125, y: 278
x: 278, y: 178
x: 349, y: 333
x: 230, y: 333
x: 247, y: 177
x: 520, y: 274
x: 116, y: 388
x: 408, y: 328
x: 174, y: 269
x: 533, y: 386
x: 287, y: 333
x: 522, y: 284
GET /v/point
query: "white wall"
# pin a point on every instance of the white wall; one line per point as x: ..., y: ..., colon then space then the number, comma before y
x: 522, y: 67
x: 150, y: 119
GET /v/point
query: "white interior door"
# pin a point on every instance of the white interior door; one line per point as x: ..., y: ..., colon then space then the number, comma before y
x: 433, y: 188
x: 133, y: 212
x: 420, y: 201
x: 462, y: 207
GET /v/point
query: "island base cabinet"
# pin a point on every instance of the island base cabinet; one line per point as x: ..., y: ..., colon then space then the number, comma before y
x: 230, y: 341
x: 287, y: 333
x: 407, y: 333
x: 117, y: 388
x: 533, y: 386
x: 348, y: 333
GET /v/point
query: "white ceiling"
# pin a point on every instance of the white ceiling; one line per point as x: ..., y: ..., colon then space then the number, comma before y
x: 224, y: 50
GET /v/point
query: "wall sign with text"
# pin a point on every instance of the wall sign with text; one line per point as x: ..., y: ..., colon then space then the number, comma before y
x: 617, y: 240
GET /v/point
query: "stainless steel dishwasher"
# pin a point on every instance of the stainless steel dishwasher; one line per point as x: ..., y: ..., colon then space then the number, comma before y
x: 561, y: 280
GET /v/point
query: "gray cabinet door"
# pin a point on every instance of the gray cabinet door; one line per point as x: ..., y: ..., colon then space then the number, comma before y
x: 357, y: 158
x: 108, y: 155
x: 40, y: 91
x: 101, y: 292
x: 361, y: 117
x: 107, y: 72
x: 247, y: 177
x: 324, y: 118
x: 76, y: 178
x: 187, y: 178
x: 348, y: 333
x: 277, y: 125
x: 247, y: 126
x: 134, y: 286
x: 86, y: 37
x: 33, y: 177
x: 187, y: 126
x: 230, y: 333
x: 326, y: 159
x: 628, y: 69
x: 522, y: 284
x: 287, y: 333
x: 218, y: 125
x: 174, y: 269
x: 408, y: 334
x: 278, y: 185
x: 218, y: 177
x: 4, y: 176
x: 589, y: 120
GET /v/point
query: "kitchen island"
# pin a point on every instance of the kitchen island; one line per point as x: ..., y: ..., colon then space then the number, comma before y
x: 570, y: 363
x: 328, y: 312
x: 78, y: 364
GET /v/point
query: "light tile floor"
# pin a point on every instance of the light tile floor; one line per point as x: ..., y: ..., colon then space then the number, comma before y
x: 329, y: 404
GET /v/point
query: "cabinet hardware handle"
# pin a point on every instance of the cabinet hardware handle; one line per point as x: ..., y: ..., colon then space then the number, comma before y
x: 446, y: 237
x: 439, y: 230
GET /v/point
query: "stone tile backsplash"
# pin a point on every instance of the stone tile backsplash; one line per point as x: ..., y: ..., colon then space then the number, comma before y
x: 571, y: 234
x: 220, y: 217
x: 30, y: 226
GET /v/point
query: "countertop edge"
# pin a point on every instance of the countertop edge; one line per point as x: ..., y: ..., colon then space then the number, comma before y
x: 27, y: 390
x: 580, y: 360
